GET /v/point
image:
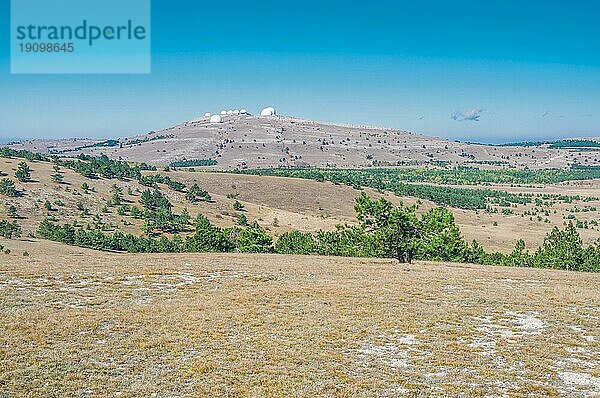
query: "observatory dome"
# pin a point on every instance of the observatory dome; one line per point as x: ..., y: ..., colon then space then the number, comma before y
x: 270, y: 111
x: 216, y: 119
x: 223, y: 112
x: 207, y: 114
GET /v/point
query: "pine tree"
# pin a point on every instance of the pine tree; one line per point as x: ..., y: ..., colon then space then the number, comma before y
x: 242, y: 220
x: 57, y: 177
x: 11, y: 211
x: 237, y: 206
x: 395, y: 230
x: 7, y: 188
x: 23, y: 172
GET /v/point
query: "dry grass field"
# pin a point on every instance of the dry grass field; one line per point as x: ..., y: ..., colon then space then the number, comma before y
x: 82, y: 323
x: 284, y: 204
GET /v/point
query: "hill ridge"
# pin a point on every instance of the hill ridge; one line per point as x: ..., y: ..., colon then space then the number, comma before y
x: 246, y: 141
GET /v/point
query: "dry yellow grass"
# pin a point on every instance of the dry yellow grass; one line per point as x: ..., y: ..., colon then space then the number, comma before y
x: 284, y: 204
x: 81, y: 323
x: 310, y: 205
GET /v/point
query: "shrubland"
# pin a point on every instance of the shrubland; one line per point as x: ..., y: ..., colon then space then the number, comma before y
x: 384, y: 230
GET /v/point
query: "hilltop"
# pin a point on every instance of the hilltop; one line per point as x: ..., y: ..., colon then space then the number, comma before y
x: 245, y: 141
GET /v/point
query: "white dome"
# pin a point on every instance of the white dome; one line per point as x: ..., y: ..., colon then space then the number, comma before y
x: 223, y: 112
x: 243, y: 112
x: 216, y: 119
x: 236, y: 112
x: 230, y: 112
x: 270, y: 111
x: 207, y: 114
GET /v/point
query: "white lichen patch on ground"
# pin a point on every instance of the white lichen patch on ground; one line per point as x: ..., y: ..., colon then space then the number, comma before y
x: 580, y: 383
x: 511, y: 325
x: 395, y: 351
x: 83, y: 290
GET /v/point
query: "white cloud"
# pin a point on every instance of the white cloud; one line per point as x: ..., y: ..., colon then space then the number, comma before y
x: 468, y: 116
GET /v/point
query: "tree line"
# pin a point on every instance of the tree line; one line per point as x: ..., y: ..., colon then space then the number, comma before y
x: 384, y: 231
x: 206, y: 238
x: 194, y: 163
x: 460, y: 175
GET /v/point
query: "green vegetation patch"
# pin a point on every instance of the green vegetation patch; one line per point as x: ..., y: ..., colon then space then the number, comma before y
x: 194, y: 163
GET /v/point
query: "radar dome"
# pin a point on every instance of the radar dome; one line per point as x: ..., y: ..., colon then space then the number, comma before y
x: 270, y: 111
x: 216, y: 119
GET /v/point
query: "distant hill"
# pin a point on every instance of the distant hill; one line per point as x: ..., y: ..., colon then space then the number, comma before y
x: 244, y: 141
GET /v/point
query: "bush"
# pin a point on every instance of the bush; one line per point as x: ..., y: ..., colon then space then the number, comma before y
x: 237, y: 206
x: 295, y: 242
x: 9, y: 230
x: 7, y: 188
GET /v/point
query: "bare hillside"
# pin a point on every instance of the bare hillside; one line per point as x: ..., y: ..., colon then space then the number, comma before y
x: 244, y: 141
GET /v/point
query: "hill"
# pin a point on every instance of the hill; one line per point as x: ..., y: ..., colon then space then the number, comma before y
x: 243, y: 141
x: 282, y: 204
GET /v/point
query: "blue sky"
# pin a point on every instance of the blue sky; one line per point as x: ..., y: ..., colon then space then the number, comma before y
x: 489, y: 71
